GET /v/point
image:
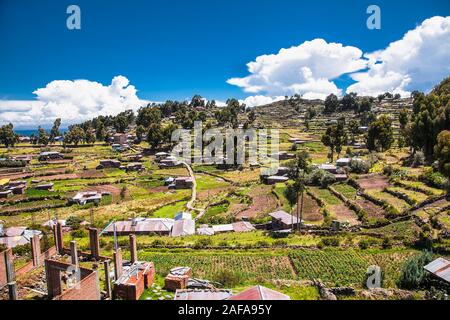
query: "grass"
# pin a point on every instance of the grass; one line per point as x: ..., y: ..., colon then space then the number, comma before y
x: 170, y: 210
x: 346, y: 190
x: 326, y: 196
x: 397, y: 203
x: 416, y: 197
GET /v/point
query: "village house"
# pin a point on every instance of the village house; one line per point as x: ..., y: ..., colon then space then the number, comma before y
x: 50, y: 155
x: 169, y: 162
x: 331, y: 168
x: 140, y: 226
x: 183, y: 183
x: 120, y: 138
x: 8, y: 188
x: 46, y: 186
x: 16, y: 236
x: 135, y: 166
x: 281, y: 220
x: 83, y: 198
x: 259, y: 293
x: 440, y: 269
x: 109, y: 163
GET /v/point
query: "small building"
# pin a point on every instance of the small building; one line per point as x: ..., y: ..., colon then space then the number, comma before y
x: 284, y: 155
x: 183, y: 216
x: 109, y: 163
x: 243, y: 226
x: 135, y: 157
x: 222, y: 228
x: 120, y: 138
x: 46, y: 186
x: 135, y: 166
x: 331, y: 168
x: 169, y: 181
x: 259, y: 293
x: 439, y: 268
x: 169, y: 162
x: 282, y: 220
x: 205, y: 231
x: 135, y: 278
x: 50, y: 155
x: 275, y: 179
x: 16, y: 236
x: 5, y: 194
x: 184, y: 183
x: 86, y: 197
x: 177, y: 278
x: 161, y: 156
x: 202, y: 294
x: 340, y: 177
x: 183, y: 227
x: 140, y: 226
x: 343, y: 162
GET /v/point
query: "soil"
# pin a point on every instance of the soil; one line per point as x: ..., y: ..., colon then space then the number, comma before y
x: 373, y: 182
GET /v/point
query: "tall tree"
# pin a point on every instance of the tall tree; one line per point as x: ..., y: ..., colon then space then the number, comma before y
x: 353, y: 127
x: 331, y: 103
x: 7, y: 135
x: 43, y: 137
x: 54, y: 132
x: 155, y: 135
x: 442, y: 152
x: 334, y: 138
x: 380, y: 135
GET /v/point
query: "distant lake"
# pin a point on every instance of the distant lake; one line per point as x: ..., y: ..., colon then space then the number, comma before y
x: 28, y: 133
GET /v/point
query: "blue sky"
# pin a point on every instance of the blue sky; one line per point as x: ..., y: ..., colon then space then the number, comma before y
x: 172, y: 49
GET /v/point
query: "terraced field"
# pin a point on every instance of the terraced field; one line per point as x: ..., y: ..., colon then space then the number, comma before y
x: 399, y: 204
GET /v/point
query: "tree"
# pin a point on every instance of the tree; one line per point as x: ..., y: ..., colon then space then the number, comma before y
x: 331, y: 103
x: 140, y: 131
x: 365, y: 105
x: 413, y: 274
x: 43, y: 137
x: 403, y: 118
x: 349, y: 102
x: 155, y: 135
x: 75, y: 135
x: 100, y: 132
x: 7, y: 135
x: 380, y: 135
x: 54, y: 132
x: 334, y: 138
x: 121, y: 123
x: 89, y: 137
x: 148, y: 115
x: 442, y: 152
x: 251, y: 116
x: 197, y: 101
x: 353, y: 127
x: 294, y: 194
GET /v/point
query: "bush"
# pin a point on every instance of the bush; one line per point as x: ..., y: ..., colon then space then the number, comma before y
x: 74, y: 222
x: 204, y: 242
x: 321, y: 178
x: 366, y: 243
x: 387, y: 243
x: 157, y: 242
x: 330, y: 242
x: 387, y: 170
x: 80, y: 233
x: 22, y: 250
x: 413, y: 274
x: 359, y: 166
x: 279, y: 243
x: 227, y: 278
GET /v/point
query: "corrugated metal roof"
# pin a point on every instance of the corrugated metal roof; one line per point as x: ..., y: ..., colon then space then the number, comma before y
x: 202, y: 294
x: 205, y: 231
x: 223, y: 228
x: 14, y: 231
x: 183, y: 227
x: 143, y: 225
x: 260, y: 293
x: 284, y: 217
x: 243, y: 226
x: 440, y: 268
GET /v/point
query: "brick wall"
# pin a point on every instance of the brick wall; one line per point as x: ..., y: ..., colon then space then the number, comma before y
x: 30, y: 266
x: 87, y: 290
x: 3, y: 279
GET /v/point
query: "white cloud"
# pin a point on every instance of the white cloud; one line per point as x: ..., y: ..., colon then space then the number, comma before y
x: 72, y: 101
x: 306, y: 69
x: 258, y: 100
x: 419, y: 61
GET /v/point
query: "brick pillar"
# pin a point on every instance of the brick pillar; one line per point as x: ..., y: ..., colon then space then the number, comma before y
x: 57, y: 232
x: 117, y: 263
x: 10, y: 275
x: 74, y: 254
x: 94, y: 243
x: 36, y: 250
x: 107, y: 279
x: 133, y: 248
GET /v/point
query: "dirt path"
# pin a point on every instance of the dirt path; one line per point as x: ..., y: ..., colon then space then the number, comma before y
x: 190, y: 204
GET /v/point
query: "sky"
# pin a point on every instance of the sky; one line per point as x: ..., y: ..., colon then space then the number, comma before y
x: 130, y: 52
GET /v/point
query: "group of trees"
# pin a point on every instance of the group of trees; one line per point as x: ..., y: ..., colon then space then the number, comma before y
x: 7, y: 135
x: 349, y: 102
x: 229, y: 114
x: 335, y: 138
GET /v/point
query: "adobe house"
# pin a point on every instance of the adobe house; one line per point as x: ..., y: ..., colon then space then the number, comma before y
x: 281, y: 220
x: 109, y: 163
x: 135, y: 166
x: 50, y: 155
x: 184, y: 183
x: 131, y: 277
x: 120, y: 138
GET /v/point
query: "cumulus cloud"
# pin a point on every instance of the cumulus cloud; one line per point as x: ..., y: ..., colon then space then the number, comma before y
x: 306, y: 69
x: 259, y: 100
x: 72, y: 101
x: 418, y: 61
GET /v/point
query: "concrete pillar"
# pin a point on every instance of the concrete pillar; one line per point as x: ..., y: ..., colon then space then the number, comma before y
x: 133, y: 248
x: 36, y: 250
x: 117, y: 263
x: 57, y: 232
x: 107, y: 279
x: 10, y: 276
x: 94, y: 243
x: 74, y: 254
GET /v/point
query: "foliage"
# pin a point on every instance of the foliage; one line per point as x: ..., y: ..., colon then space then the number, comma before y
x: 380, y: 134
x: 7, y: 135
x: 413, y: 274
x: 334, y: 138
x: 331, y: 103
x: 442, y: 152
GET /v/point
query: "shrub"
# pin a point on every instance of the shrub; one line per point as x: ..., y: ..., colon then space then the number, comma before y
x: 22, y: 250
x: 321, y: 178
x: 74, y: 222
x: 387, y: 170
x: 80, y: 233
x: 227, y: 278
x: 413, y: 275
x: 359, y: 166
x: 204, y: 242
x: 366, y: 243
x: 157, y: 242
x: 387, y: 243
x: 279, y: 243
x: 330, y: 242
